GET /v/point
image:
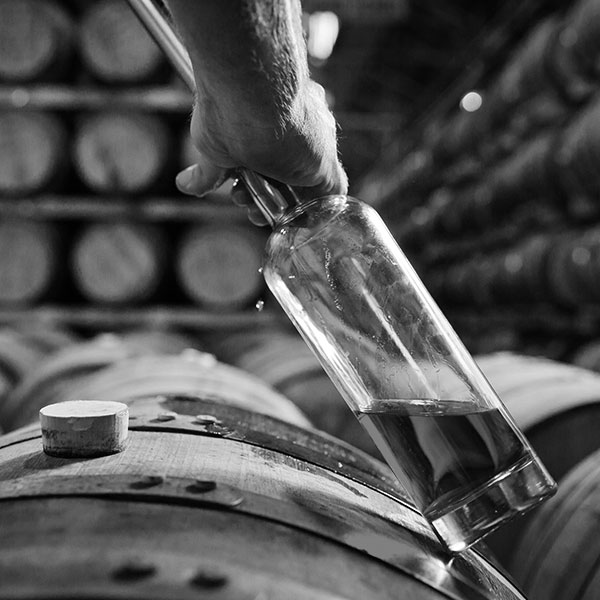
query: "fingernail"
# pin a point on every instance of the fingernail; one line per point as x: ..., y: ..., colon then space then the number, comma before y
x: 184, y: 178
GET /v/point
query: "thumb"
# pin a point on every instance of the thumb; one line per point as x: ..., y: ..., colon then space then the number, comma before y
x: 201, y: 178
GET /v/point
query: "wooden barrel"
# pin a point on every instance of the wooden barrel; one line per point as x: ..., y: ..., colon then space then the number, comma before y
x: 573, y: 268
x: 558, y: 555
x: 587, y: 356
x: 120, y: 262
x: 30, y: 262
x: 525, y: 174
x: 114, y: 47
x: 526, y: 73
x: 82, y: 371
x: 190, y: 372
x: 47, y: 364
x: 578, y: 44
x: 32, y: 152
x: 243, y: 506
x: 578, y: 153
x: 557, y: 406
x: 218, y: 266
x: 36, y: 39
x: 23, y: 348
x: 284, y: 361
x: 522, y: 274
x: 119, y: 152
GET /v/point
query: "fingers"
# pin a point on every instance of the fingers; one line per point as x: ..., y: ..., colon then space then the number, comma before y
x: 201, y: 178
x: 336, y: 182
x: 241, y: 197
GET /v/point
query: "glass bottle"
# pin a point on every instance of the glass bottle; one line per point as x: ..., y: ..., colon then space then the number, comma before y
x: 345, y: 284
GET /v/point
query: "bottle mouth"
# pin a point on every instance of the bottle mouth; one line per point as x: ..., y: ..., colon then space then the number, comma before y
x: 299, y: 210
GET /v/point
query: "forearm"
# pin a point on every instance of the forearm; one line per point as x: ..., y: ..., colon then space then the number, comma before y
x: 248, y: 55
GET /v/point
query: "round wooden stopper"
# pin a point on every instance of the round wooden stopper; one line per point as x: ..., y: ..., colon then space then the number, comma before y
x: 120, y: 152
x: 84, y: 428
x: 218, y: 267
x: 32, y: 151
x: 119, y: 262
x: 115, y: 47
x: 35, y: 40
x: 29, y: 263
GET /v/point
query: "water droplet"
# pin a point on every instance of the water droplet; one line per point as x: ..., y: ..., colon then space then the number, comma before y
x: 147, y: 482
x: 260, y: 305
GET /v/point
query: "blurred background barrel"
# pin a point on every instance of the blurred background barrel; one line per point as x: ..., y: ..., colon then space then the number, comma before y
x: 145, y: 363
x: 33, y: 152
x: 218, y: 266
x: 119, y: 262
x: 23, y: 347
x: 557, y: 406
x: 114, y: 47
x: 558, y: 555
x: 31, y: 261
x: 121, y: 152
x: 36, y: 40
x: 73, y: 363
x: 578, y: 153
x: 282, y: 359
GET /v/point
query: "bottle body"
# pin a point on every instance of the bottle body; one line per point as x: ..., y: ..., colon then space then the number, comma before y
x: 342, y: 279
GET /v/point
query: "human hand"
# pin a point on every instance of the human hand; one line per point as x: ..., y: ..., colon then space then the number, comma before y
x: 298, y: 149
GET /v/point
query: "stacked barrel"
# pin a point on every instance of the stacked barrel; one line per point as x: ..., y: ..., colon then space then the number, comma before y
x: 93, y: 130
x: 498, y: 206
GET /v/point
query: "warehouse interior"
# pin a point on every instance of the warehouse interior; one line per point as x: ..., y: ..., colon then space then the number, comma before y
x: 472, y: 128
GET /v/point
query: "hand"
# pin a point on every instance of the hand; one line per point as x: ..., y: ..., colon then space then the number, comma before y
x: 299, y: 150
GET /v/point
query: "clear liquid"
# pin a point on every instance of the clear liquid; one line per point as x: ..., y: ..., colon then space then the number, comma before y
x: 442, y: 454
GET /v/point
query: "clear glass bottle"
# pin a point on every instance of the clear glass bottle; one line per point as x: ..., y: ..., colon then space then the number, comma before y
x: 345, y: 284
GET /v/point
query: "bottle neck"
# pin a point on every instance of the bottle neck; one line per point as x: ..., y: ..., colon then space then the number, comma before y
x: 273, y: 200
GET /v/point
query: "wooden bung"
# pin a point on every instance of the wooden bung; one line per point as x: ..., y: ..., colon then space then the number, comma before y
x: 33, y: 149
x: 82, y: 429
x: 118, y: 152
x: 30, y: 261
x: 115, y: 47
x: 36, y: 39
x: 218, y: 266
x: 119, y: 263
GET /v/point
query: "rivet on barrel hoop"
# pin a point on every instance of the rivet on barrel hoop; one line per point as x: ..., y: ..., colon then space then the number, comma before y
x: 148, y: 482
x: 209, y: 580
x: 201, y: 486
x: 134, y: 571
x: 206, y: 420
x: 165, y: 416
